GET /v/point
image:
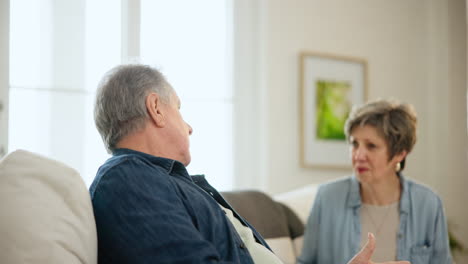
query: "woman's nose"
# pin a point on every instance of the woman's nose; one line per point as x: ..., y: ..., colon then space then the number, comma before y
x: 359, y: 154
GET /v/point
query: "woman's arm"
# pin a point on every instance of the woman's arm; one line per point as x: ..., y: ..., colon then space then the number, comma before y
x: 441, y: 249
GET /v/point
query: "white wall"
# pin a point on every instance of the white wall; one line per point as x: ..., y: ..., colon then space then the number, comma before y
x: 416, y: 51
x: 4, y: 29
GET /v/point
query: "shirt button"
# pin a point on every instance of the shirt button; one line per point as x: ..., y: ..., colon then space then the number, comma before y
x: 242, y: 245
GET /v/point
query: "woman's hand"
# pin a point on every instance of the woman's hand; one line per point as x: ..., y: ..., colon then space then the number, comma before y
x: 364, y: 256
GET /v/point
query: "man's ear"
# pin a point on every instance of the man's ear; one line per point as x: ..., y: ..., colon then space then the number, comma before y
x: 154, y: 107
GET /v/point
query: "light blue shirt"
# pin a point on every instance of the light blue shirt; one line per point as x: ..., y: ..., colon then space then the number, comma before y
x: 333, y: 230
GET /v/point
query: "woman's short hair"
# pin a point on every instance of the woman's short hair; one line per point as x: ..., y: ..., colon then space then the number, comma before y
x: 394, y: 121
x: 120, y: 106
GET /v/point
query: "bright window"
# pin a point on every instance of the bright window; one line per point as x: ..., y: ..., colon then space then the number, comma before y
x: 61, y: 49
x: 189, y: 42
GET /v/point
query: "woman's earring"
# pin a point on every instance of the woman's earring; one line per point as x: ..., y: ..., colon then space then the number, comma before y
x: 398, y: 167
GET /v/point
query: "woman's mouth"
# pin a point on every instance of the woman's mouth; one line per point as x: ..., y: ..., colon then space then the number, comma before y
x: 362, y: 170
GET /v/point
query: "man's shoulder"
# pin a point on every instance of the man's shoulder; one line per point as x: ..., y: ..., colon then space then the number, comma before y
x: 124, y: 169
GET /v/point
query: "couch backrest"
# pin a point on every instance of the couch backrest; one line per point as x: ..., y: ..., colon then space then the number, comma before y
x: 299, y: 200
x: 46, y: 215
x: 276, y: 222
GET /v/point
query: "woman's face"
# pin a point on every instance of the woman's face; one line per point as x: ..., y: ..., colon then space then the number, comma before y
x: 369, y: 155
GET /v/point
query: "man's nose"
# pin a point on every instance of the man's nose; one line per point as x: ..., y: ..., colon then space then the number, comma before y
x: 190, y: 129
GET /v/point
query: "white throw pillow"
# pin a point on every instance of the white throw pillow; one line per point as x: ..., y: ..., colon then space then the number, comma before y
x: 46, y: 215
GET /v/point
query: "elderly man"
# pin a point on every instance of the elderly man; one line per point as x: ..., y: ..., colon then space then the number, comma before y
x: 148, y: 209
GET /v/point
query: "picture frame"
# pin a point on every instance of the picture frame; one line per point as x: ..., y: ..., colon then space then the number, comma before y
x: 330, y: 86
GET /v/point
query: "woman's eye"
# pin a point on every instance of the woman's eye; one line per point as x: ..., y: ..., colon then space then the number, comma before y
x: 371, y: 146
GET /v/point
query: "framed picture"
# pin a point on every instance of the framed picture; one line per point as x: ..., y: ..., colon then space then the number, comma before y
x: 330, y: 86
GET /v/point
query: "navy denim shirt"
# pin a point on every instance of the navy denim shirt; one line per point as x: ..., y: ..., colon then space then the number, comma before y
x: 149, y: 210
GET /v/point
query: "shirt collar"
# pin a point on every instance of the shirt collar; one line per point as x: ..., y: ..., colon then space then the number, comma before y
x: 355, y: 196
x: 173, y: 167
x: 404, y: 200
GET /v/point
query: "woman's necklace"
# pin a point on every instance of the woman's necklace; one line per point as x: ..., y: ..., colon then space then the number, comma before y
x: 378, y: 226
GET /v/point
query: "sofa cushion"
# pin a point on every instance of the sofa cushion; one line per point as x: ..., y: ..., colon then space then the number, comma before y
x: 278, y: 224
x: 261, y: 211
x: 299, y: 200
x: 283, y: 247
x: 46, y: 212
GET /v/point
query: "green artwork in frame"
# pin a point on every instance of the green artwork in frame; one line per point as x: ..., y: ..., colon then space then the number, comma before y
x: 332, y: 108
x: 330, y: 86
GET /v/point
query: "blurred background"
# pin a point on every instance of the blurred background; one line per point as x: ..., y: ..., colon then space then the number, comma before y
x: 236, y: 67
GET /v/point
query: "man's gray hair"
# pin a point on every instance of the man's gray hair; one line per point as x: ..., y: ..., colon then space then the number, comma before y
x: 120, y: 106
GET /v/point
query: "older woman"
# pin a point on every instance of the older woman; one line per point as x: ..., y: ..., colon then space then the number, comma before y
x: 407, y: 218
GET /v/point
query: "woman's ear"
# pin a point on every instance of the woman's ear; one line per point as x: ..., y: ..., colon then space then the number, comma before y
x: 154, y: 107
x: 400, y: 156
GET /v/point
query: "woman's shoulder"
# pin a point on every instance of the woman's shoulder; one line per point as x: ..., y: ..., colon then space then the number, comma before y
x: 420, y: 189
x: 337, y: 183
x: 422, y: 194
x: 335, y: 187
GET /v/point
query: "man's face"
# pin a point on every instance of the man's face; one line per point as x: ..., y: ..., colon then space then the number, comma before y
x: 178, y: 131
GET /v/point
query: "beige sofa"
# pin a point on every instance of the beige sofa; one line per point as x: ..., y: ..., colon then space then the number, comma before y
x: 276, y: 222
x: 279, y: 219
x: 47, y: 214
